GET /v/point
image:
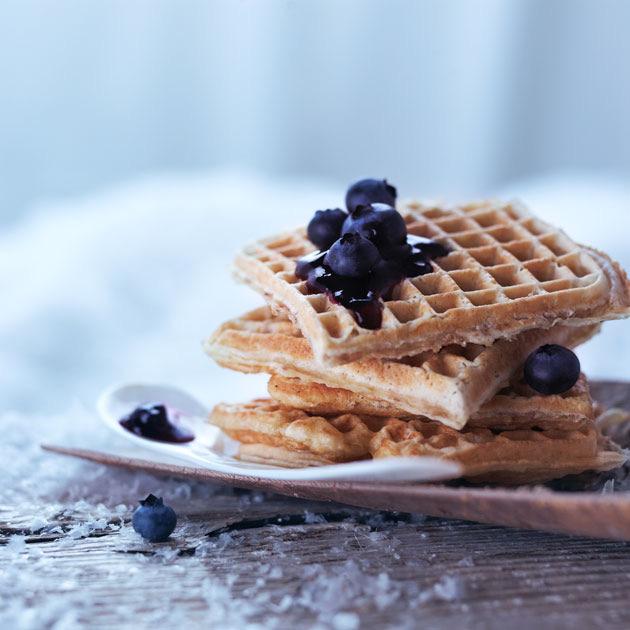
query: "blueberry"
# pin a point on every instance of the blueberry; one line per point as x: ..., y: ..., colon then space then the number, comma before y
x: 380, y: 223
x: 367, y: 191
x: 155, y: 421
x: 153, y: 520
x: 399, y: 253
x: 325, y: 227
x: 385, y: 275
x: 417, y: 266
x: 552, y: 369
x: 307, y: 263
x: 352, y: 256
x: 426, y: 247
x: 366, y: 308
x: 319, y: 280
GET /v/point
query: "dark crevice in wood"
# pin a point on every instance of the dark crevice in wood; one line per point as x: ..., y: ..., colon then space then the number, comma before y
x: 36, y: 538
x: 183, y: 552
x: 376, y: 521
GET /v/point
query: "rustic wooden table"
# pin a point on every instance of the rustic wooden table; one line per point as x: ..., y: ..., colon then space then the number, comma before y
x: 240, y: 558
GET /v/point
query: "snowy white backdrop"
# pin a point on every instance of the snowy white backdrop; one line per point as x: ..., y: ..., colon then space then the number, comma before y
x: 446, y: 96
x: 229, y: 119
x: 213, y: 110
x: 125, y: 284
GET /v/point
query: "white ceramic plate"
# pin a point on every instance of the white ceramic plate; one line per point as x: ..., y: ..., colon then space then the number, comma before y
x: 214, y: 450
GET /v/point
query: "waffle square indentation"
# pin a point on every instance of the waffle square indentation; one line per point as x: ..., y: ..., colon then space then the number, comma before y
x: 489, y: 256
x: 456, y: 224
x: 434, y: 283
x: 447, y: 302
x: 580, y: 265
x: 473, y: 239
x: 507, y: 233
x: 469, y: 279
x: 509, y: 275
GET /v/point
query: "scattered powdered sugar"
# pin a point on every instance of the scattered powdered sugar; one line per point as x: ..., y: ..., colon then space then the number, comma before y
x: 313, y: 519
x: 76, y: 503
x: 346, y: 621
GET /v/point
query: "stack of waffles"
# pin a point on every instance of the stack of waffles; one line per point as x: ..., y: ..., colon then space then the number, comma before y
x: 443, y: 375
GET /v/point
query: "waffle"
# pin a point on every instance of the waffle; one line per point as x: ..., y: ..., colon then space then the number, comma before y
x: 448, y: 386
x: 272, y: 434
x: 516, y: 407
x: 508, y: 457
x: 507, y: 272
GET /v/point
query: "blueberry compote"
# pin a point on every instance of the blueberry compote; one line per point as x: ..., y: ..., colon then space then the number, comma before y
x: 362, y: 295
x: 155, y: 421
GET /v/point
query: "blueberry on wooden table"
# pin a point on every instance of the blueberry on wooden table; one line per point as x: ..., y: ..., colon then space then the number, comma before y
x: 153, y: 520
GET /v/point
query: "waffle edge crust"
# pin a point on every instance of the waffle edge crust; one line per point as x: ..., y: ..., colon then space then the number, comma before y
x: 506, y: 457
x: 506, y: 272
x: 515, y: 407
x: 449, y: 386
x: 271, y: 433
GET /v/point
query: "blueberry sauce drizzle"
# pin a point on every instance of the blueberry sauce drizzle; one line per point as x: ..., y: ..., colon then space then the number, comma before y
x: 362, y: 295
x: 156, y: 422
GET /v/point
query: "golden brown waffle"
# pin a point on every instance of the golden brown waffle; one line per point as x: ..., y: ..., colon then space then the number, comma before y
x: 448, y: 386
x: 516, y: 407
x: 507, y: 272
x: 509, y: 457
x: 270, y: 433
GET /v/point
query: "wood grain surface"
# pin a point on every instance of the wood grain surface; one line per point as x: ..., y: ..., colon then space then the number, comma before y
x: 288, y: 563
x: 585, y: 513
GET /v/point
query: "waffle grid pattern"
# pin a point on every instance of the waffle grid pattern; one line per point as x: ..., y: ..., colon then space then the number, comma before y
x: 515, y: 456
x: 416, y: 437
x: 512, y: 456
x: 513, y: 408
x: 345, y: 437
x: 448, y: 386
x: 498, y: 254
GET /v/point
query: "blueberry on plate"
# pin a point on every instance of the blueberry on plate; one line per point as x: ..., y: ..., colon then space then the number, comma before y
x: 155, y: 421
x: 325, y: 227
x: 380, y: 223
x: 352, y: 256
x: 552, y: 369
x: 367, y: 191
x: 153, y: 520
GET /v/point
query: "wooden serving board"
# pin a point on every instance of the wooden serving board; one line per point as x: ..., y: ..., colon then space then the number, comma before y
x: 580, y: 513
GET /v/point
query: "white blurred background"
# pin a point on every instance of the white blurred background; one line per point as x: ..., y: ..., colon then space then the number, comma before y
x: 142, y: 142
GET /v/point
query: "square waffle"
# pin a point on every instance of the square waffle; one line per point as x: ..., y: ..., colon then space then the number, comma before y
x: 448, y: 386
x: 515, y: 407
x: 271, y: 434
x: 506, y: 272
x: 508, y: 457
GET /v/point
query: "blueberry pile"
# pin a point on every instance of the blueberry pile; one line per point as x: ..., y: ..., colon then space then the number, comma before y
x: 552, y: 369
x: 154, y: 422
x: 153, y: 520
x: 364, y: 252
